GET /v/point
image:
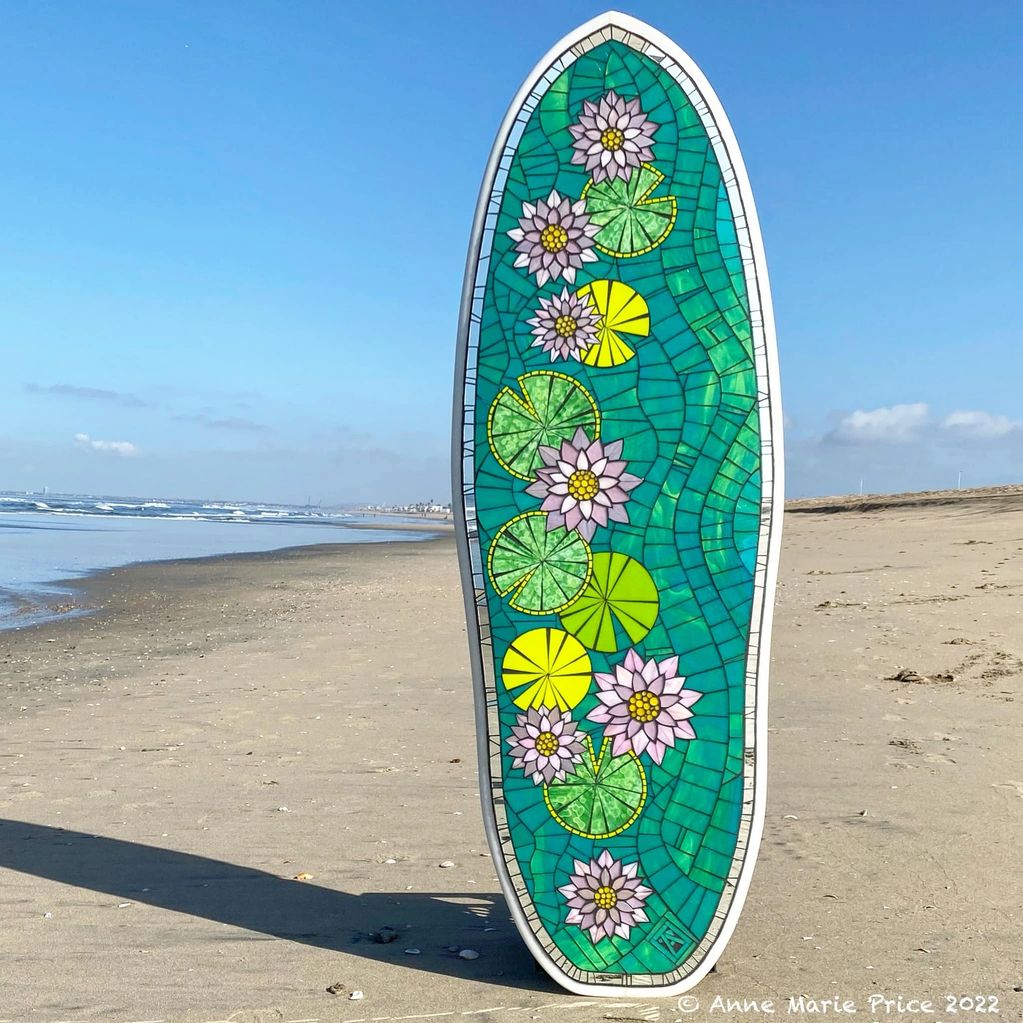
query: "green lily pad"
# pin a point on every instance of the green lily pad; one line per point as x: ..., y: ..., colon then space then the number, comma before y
x: 602, y: 798
x: 619, y: 604
x: 540, y: 570
x: 631, y: 222
x: 550, y: 409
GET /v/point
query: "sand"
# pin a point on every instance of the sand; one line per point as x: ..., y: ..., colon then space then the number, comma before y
x: 170, y: 765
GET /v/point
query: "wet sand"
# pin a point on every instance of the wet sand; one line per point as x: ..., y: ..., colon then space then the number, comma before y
x: 170, y: 764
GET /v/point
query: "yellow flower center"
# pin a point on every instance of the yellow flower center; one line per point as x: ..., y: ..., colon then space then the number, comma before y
x: 565, y: 326
x: 644, y: 706
x: 583, y: 485
x: 612, y: 139
x: 553, y: 238
x: 605, y: 897
x: 547, y: 744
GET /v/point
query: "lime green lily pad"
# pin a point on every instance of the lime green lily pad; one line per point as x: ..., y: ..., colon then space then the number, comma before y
x: 631, y: 222
x: 602, y: 798
x: 540, y: 570
x: 550, y: 409
x: 618, y: 605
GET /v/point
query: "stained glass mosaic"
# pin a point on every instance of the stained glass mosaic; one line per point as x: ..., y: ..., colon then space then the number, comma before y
x: 616, y: 463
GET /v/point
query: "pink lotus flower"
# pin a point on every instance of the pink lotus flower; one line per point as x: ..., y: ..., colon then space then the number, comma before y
x: 544, y: 743
x: 565, y: 325
x: 583, y: 485
x: 643, y: 706
x: 605, y: 897
x: 612, y: 138
x: 554, y: 238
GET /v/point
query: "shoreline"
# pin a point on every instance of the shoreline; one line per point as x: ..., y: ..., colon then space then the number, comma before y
x: 137, y: 602
x: 59, y: 599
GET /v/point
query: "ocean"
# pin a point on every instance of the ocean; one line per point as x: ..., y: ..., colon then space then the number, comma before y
x: 45, y: 540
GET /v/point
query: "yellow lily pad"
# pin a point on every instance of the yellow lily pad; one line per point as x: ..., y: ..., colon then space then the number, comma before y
x: 546, y: 668
x: 622, y: 310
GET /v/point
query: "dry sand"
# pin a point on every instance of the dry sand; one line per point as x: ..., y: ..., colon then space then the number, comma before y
x: 169, y: 765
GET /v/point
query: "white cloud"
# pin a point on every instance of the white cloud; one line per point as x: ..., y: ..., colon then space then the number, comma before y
x: 892, y: 424
x: 979, y: 425
x: 89, y: 393
x: 906, y: 447
x: 115, y: 447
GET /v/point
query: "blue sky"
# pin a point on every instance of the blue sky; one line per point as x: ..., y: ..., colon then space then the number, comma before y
x: 234, y: 233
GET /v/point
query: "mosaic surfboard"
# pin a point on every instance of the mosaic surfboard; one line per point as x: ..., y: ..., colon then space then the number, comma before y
x: 618, y: 486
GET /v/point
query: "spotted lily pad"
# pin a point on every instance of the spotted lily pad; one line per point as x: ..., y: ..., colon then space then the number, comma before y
x: 540, y: 570
x: 602, y: 798
x: 631, y: 222
x: 551, y: 407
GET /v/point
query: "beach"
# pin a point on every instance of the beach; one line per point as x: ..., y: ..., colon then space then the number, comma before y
x: 246, y: 780
x: 44, y: 544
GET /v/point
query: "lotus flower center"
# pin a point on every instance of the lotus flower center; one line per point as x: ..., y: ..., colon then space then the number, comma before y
x: 553, y: 238
x: 612, y: 139
x: 547, y: 744
x: 583, y: 485
x: 644, y: 706
x: 565, y: 326
x: 605, y: 897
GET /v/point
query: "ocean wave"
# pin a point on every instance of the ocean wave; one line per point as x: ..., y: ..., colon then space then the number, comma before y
x: 205, y: 511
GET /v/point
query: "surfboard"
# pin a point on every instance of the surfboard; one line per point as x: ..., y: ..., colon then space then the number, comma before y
x: 618, y: 493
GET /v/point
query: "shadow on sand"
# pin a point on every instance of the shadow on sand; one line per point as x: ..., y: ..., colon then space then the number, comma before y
x: 283, y: 908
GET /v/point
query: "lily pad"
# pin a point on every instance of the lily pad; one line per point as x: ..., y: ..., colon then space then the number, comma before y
x: 602, y: 798
x: 619, y: 604
x: 546, y: 668
x: 540, y: 570
x: 623, y: 310
x: 551, y: 407
x: 631, y: 222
